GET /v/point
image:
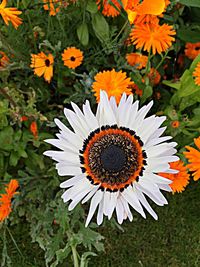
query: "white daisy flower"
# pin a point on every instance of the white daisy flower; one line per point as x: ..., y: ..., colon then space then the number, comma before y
x: 114, y: 157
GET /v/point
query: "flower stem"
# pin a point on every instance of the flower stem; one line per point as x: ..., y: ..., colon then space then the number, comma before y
x: 14, y: 242
x: 75, y: 256
x: 160, y: 63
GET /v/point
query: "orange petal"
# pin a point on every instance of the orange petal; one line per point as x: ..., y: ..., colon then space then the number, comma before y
x: 155, y: 7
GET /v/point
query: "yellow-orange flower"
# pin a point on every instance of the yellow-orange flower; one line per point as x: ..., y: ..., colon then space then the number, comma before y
x: 175, y: 124
x: 5, y: 199
x: 4, y: 60
x: 34, y: 129
x: 53, y: 6
x: 152, y: 36
x: 193, y: 157
x: 10, y: 14
x: 179, y: 180
x: 154, y: 76
x: 108, y: 9
x: 138, y: 12
x: 192, y: 50
x: 137, y: 60
x: 113, y: 82
x: 196, y: 74
x: 43, y: 65
x: 72, y: 57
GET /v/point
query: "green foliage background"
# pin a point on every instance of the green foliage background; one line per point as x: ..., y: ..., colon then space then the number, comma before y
x: 40, y: 231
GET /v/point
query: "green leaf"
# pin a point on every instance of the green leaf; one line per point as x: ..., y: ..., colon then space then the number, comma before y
x: 92, y: 7
x: 191, y: 35
x: 14, y: 157
x: 194, y: 3
x: 6, y: 138
x: 174, y: 85
x: 100, y: 27
x: 147, y: 92
x: 83, y: 34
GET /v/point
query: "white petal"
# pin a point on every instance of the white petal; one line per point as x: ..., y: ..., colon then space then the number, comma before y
x: 79, y: 197
x: 106, y: 202
x: 119, y: 211
x: 145, y: 203
x: 156, y: 179
x: 76, y: 123
x: 93, y: 205
x: 107, y: 116
x: 92, y: 192
x: 61, y: 156
x: 127, y: 210
x: 72, y: 181
x: 165, y: 187
x: 65, y: 169
x: 132, y: 199
x: 112, y: 203
x: 90, y: 118
x: 100, y: 213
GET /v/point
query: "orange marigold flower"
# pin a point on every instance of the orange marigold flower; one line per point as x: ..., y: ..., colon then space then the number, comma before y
x: 24, y: 118
x: 113, y: 82
x: 10, y: 14
x: 34, y: 129
x: 179, y: 180
x: 72, y: 57
x: 137, y: 60
x: 142, y: 12
x: 4, y: 60
x: 53, y: 6
x: 5, y: 199
x: 152, y: 36
x: 43, y: 65
x: 193, y: 157
x: 175, y: 124
x: 108, y: 9
x: 192, y: 50
x: 11, y: 188
x: 154, y: 76
x: 196, y: 74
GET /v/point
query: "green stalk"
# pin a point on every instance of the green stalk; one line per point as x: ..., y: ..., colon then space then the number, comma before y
x: 162, y: 60
x: 14, y: 242
x: 75, y: 256
x: 30, y: 25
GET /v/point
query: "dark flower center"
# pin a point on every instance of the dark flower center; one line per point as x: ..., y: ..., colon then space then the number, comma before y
x: 47, y: 63
x: 72, y: 58
x: 113, y: 157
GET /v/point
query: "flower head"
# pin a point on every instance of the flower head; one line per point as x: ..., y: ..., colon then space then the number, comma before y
x: 193, y: 156
x: 175, y: 124
x: 34, y: 129
x: 113, y: 82
x: 154, y: 76
x: 5, y: 199
x: 196, y: 74
x: 109, y: 10
x: 10, y: 14
x: 4, y: 60
x: 137, y: 60
x: 43, y: 65
x: 113, y: 158
x: 53, y: 6
x: 72, y: 57
x: 179, y: 180
x: 192, y: 50
x: 152, y: 36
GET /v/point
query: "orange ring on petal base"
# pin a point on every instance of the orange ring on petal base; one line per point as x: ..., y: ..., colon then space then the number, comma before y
x: 113, y: 157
